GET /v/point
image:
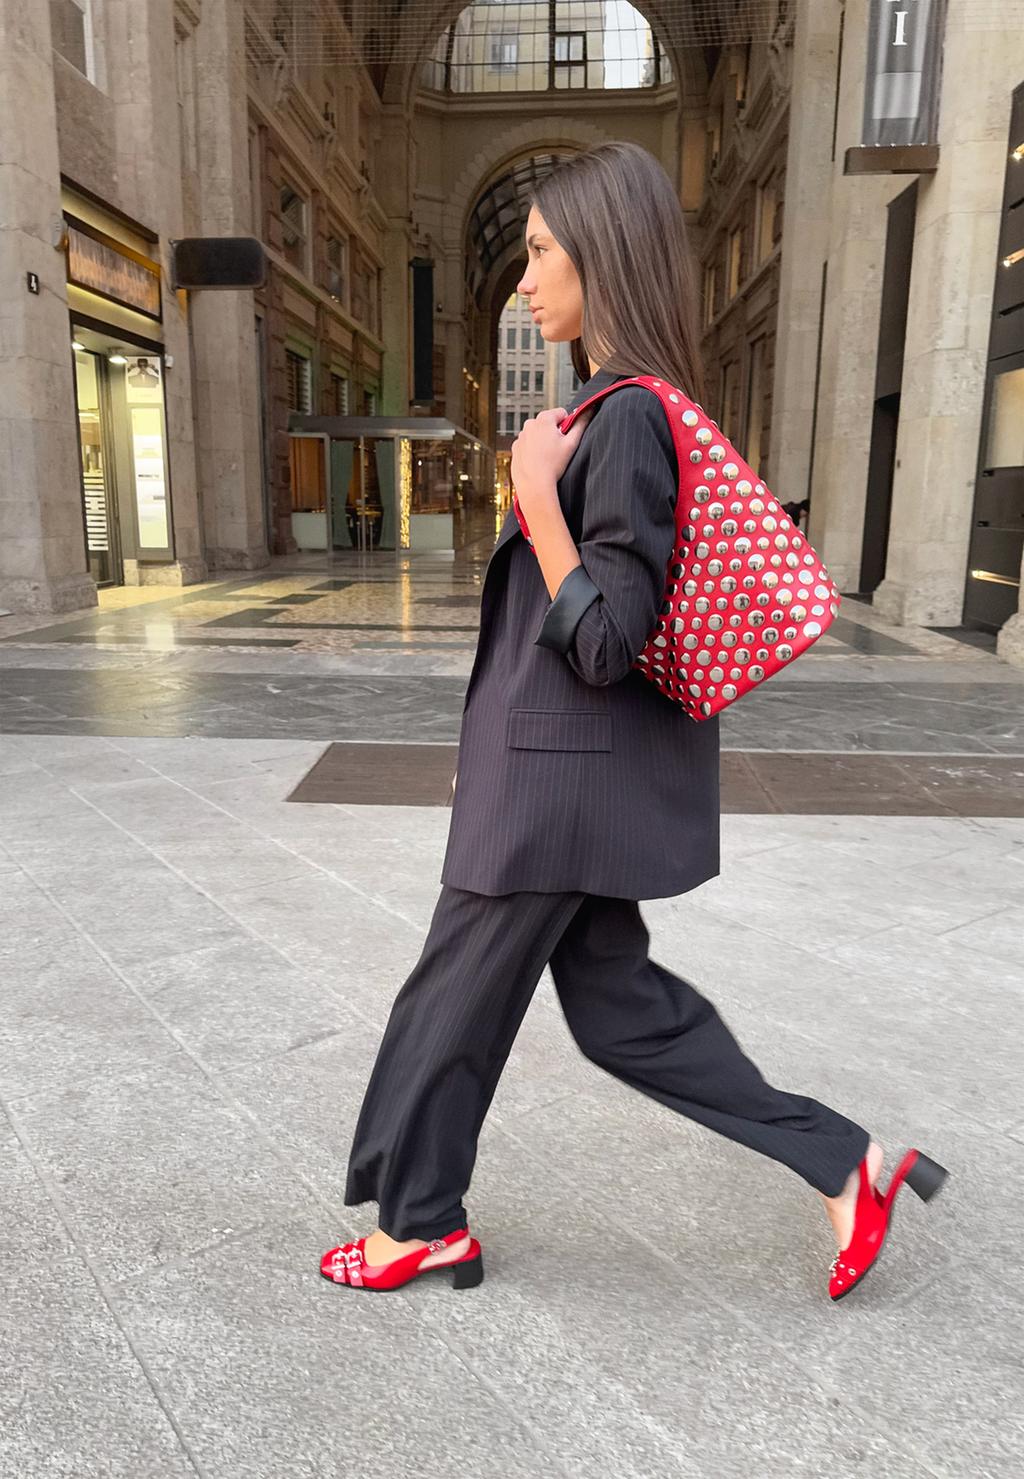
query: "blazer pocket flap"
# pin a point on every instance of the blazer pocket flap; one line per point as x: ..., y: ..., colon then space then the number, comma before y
x: 559, y: 729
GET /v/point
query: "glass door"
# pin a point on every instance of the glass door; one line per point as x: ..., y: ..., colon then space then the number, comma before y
x: 99, y: 484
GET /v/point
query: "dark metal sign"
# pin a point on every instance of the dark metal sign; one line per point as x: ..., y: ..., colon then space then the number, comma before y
x: 218, y: 262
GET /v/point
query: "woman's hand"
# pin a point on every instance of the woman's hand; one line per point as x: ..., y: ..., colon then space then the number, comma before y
x: 540, y: 455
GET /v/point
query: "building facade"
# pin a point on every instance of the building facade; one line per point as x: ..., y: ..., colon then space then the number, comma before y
x: 862, y: 328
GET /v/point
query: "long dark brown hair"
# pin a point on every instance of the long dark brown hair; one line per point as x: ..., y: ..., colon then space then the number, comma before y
x: 614, y: 211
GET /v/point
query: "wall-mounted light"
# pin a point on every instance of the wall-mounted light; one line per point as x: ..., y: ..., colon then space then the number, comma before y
x: 115, y: 357
x: 990, y: 575
x: 1013, y: 257
x: 1018, y: 154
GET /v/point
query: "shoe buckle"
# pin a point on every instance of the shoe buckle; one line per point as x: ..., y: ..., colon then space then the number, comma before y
x: 436, y: 1245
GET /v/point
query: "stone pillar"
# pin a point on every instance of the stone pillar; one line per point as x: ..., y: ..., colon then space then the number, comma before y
x: 805, y: 243
x: 141, y: 63
x: 43, y: 565
x: 223, y: 324
x: 856, y: 252
x: 394, y: 187
x: 955, y: 249
x: 454, y: 300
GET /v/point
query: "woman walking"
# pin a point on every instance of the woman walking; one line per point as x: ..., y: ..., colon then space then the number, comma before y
x: 580, y: 788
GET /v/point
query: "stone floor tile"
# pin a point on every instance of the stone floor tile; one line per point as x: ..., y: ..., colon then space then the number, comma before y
x: 237, y: 1003
x: 68, y: 1018
x: 283, y: 1383
x: 154, y: 1166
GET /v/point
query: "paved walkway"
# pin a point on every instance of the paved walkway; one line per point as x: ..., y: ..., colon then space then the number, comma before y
x: 196, y: 976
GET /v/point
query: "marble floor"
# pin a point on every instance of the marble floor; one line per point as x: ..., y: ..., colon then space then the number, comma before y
x: 196, y: 974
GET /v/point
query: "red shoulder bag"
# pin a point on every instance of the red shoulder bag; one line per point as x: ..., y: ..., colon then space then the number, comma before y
x: 744, y: 593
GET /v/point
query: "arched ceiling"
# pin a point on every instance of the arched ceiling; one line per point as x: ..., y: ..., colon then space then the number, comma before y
x: 497, y: 222
x: 421, y: 24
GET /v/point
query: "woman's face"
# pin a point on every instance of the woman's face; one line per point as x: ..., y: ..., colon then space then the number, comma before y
x: 551, y: 283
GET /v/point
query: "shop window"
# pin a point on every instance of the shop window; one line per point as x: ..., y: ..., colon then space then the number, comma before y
x: 308, y: 476
x: 337, y: 267
x: 1005, y: 444
x: 735, y: 262
x: 300, y: 382
x: 295, y: 227
x: 72, y: 34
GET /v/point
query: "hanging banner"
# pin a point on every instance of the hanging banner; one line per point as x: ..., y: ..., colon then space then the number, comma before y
x: 904, y: 73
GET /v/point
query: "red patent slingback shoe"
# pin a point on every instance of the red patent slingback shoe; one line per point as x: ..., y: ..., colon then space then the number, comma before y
x: 347, y: 1265
x: 872, y: 1217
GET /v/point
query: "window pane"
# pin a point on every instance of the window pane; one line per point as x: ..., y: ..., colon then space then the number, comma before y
x: 1006, y: 421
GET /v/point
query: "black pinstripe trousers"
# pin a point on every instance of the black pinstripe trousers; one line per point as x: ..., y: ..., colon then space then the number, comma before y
x: 453, y: 1023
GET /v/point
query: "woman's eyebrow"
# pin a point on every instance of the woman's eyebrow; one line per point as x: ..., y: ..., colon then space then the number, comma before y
x: 537, y: 236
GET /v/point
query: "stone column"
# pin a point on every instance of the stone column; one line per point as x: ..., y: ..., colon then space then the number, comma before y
x: 223, y: 324
x: 394, y: 187
x: 43, y: 566
x: 454, y: 300
x: 805, y: 243
x: 856, y: 252
x: 955, y: 248
x: 141, y: 64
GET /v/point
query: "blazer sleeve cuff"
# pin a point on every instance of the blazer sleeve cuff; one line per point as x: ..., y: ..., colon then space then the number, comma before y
x: 562, y: 617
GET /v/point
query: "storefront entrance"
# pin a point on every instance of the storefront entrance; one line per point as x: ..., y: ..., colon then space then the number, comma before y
x: 122, y: 438
x: 398, y: 484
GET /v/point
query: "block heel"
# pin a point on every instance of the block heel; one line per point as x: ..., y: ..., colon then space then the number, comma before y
x: 469, y: 1273
x: 925, y: 1177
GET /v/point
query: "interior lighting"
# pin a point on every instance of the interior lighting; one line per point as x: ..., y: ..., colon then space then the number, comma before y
x: 990, y: 575
x: 78, y: 346
x: 1018, y: 154
x: 1013, y: 257
x: 115, y: 356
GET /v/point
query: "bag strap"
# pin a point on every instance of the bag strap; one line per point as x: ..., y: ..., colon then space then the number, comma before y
x: 564, y: 426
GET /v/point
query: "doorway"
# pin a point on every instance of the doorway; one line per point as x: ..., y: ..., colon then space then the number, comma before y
x: 885, y: 420
x: 122, y: 438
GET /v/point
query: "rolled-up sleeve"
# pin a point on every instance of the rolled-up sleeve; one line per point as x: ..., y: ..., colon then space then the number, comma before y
x: 606, y: 608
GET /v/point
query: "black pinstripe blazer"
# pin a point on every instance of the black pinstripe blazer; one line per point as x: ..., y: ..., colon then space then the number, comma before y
x: 574, y: 772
